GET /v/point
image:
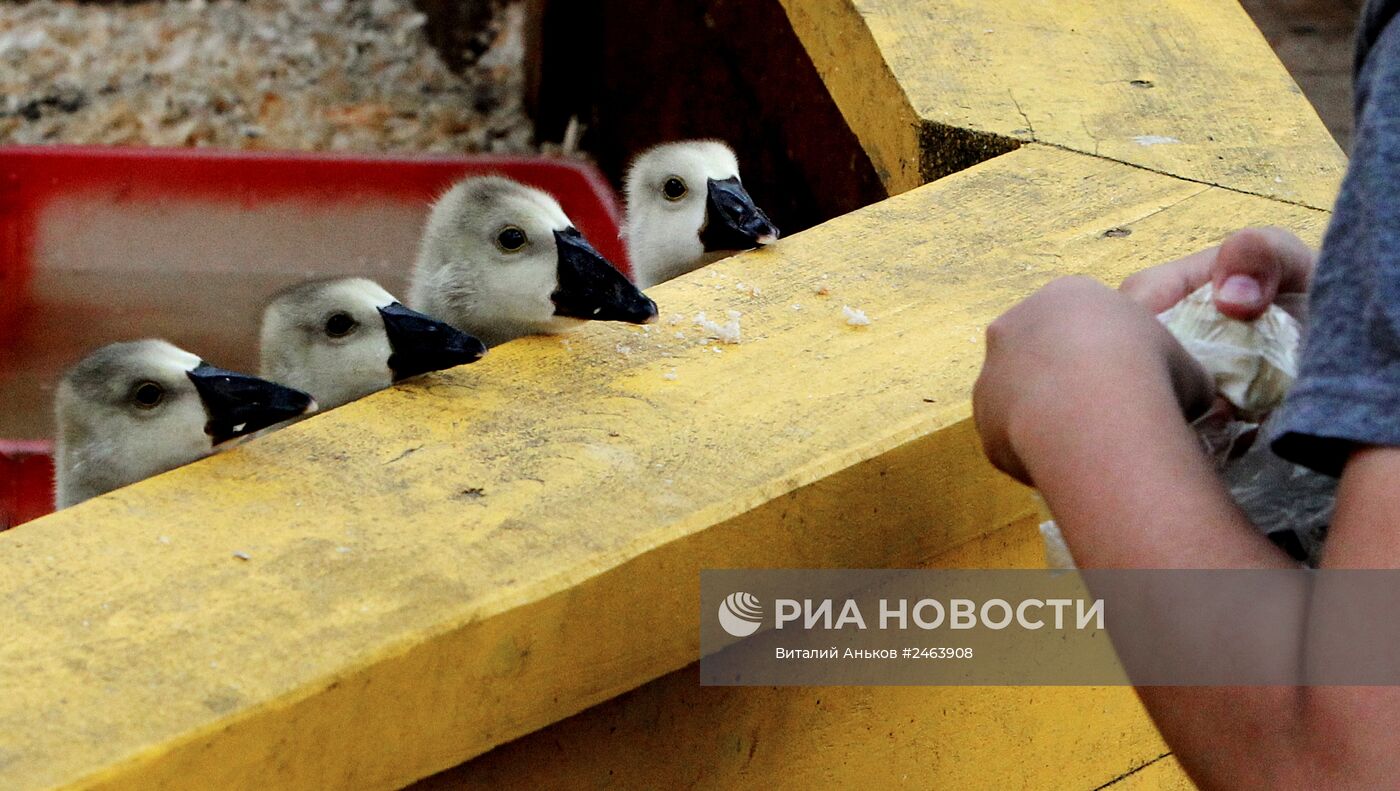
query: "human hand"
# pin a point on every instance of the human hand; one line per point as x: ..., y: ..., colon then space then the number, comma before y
x: 1071, y: 358
x: 1252, y: 269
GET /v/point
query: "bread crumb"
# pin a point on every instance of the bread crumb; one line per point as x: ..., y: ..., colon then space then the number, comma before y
x: 823, y: 291
x: 854, y: 316
x: 727, y: 332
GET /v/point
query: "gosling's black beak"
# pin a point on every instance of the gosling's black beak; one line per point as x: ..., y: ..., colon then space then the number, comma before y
x: 239, y: 404
x: 419, y: 344
x: 592, y: 288
x: 732, y: 221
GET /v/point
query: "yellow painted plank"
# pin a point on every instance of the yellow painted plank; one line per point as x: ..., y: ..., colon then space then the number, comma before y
x: 1184, y: 87
x: 870, y: 98
x: 1165, y: 774
x: 448, y: 565
x: 672, y: 733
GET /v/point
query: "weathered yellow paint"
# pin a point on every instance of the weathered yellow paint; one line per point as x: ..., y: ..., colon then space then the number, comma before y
x: 1165, y: 774
x: 672, y: 733
x: 1184, y: 87
x: 448, y: 565
x: 870, y: 98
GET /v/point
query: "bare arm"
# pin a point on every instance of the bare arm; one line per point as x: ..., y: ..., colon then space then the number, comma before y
x: 1082, y: 396
x: 1302, y: 737
x: 1098, y: 429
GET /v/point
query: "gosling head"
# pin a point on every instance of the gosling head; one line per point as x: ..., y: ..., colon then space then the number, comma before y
x: 687, y: 208
x: 501, y: 260
x: 342, y: 339
x: 131, y: 410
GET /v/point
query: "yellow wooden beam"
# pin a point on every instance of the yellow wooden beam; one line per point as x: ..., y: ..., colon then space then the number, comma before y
x: 1184, y: 87
x: 1163, y: 774
x: 865, y: 89
x: 445, y: 566
x: 673, y: 733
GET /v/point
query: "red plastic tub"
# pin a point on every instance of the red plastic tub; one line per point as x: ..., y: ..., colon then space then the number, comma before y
x: 26, y: 481
x: 106, y: 244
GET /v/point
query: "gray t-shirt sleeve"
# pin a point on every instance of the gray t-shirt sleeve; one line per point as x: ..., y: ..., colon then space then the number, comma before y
x: 1348, y: 388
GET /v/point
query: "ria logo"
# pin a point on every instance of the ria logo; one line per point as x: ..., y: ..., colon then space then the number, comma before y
x: 740, y: 614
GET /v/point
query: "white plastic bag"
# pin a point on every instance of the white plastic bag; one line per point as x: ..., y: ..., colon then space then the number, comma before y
x: 1253, y: 365
x: 1253, y: 362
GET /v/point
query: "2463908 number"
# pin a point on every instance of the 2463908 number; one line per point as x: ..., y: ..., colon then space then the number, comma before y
x: 939, y: 652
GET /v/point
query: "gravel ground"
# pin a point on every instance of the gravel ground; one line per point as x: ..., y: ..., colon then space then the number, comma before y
x: 353, y: 75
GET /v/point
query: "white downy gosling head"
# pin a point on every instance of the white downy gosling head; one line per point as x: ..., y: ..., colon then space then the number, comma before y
x: 134, y: 409
x: 687, y: 208
x: 501, y: 260
x: 345, y: 338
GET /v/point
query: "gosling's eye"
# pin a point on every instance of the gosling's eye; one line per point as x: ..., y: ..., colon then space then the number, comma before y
x: 147, y: 395
x: 674, y: 189
x: 511, y: 239
x: 340, y: 324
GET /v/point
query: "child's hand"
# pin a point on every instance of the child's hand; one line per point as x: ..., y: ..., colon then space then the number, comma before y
x: 1250, y: 271
x: 1070, y: 357
x: 1076, y: 352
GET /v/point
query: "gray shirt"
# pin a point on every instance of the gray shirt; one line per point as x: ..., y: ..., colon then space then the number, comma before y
x: 1348, y: 388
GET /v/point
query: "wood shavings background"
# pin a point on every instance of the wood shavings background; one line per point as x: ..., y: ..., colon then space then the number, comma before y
x: 349, y: 75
